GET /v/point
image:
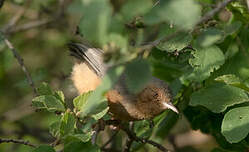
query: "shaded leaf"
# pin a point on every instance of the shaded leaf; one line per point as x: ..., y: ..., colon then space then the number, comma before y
x: 235, y: 125
x: 44, y: 148
x: 95, y: 21
x: 133, y: 8
x: 137, y: 74
x: 232, y: 49
x: 209, y: 37
x: 232, y: 28
x: 174, y: 11
x: 44, y: 89
x: 81, y: 147
x: 205, y: 61
x: 217, y: 97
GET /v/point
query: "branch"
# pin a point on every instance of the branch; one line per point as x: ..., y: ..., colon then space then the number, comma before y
x: 30, y: 25
x: 16, y: 141
x: 211, y: 13
x: 21, y: 63
x: 133, y: 136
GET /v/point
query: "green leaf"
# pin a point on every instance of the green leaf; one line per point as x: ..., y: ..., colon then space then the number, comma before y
x: 120, y: 41
x: 232, y: 49
x: 48, y: 102
x: 59, y: 95
x: 95, y: 21
x: 174, y: 11
x: 209, y: 37
x: 100, y: 114
x: 232, y: 80
x: 137, y: 74
x: 83, y: 137
x: 235, y: 125
x: 232, y: 28
x: 205, y: 61
x: 54, y: 129
x: 176, y: 43
x: 67, y: 124
x: 96, y: 102
x: 217, y: 97
x: 142, y: 128
x: 44, y: 89
x: 44, y: 148
x: 133, y: 8
x: 81, y: 147
x: 79, y: 101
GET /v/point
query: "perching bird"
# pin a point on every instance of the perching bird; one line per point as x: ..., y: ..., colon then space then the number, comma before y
x: 88, y: 72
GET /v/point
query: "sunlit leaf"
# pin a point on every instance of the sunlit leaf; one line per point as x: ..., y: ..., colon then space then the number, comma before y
x: 232, y: 80
x: 176, y: 43
x: 48, y: 102
x: 67, y: 124
x: 54, y: 129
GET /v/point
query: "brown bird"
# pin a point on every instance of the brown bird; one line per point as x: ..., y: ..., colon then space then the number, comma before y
x: 88, y: 72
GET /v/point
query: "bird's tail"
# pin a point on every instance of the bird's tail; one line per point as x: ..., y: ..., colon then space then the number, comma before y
x: 92, y: 56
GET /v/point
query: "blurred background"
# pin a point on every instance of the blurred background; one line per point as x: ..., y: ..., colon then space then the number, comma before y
x: 40, y: 30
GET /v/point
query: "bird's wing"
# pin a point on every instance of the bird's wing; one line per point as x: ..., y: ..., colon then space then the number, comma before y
x: 93, y: 56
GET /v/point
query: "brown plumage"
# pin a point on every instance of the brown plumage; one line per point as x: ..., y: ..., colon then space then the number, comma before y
x: 123, y: 104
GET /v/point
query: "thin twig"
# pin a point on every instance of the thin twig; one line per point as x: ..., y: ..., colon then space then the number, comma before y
x: 16, y: 141
x: 21, y: 63
x: 133, y: 136
x: 20, y: 12
x: 30, y: 25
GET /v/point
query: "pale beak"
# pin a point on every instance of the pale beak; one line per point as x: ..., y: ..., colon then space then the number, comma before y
x: 169, y: 105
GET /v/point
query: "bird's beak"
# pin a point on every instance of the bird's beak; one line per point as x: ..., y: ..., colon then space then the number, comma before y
x: 169, y: 105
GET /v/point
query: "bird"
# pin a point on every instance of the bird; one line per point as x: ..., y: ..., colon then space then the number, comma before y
x: 88, y: 72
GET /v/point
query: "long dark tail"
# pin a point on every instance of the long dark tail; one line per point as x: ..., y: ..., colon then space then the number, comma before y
x: 93, y: 56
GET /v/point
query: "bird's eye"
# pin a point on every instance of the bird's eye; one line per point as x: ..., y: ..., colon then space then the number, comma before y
x: 155, y: 95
